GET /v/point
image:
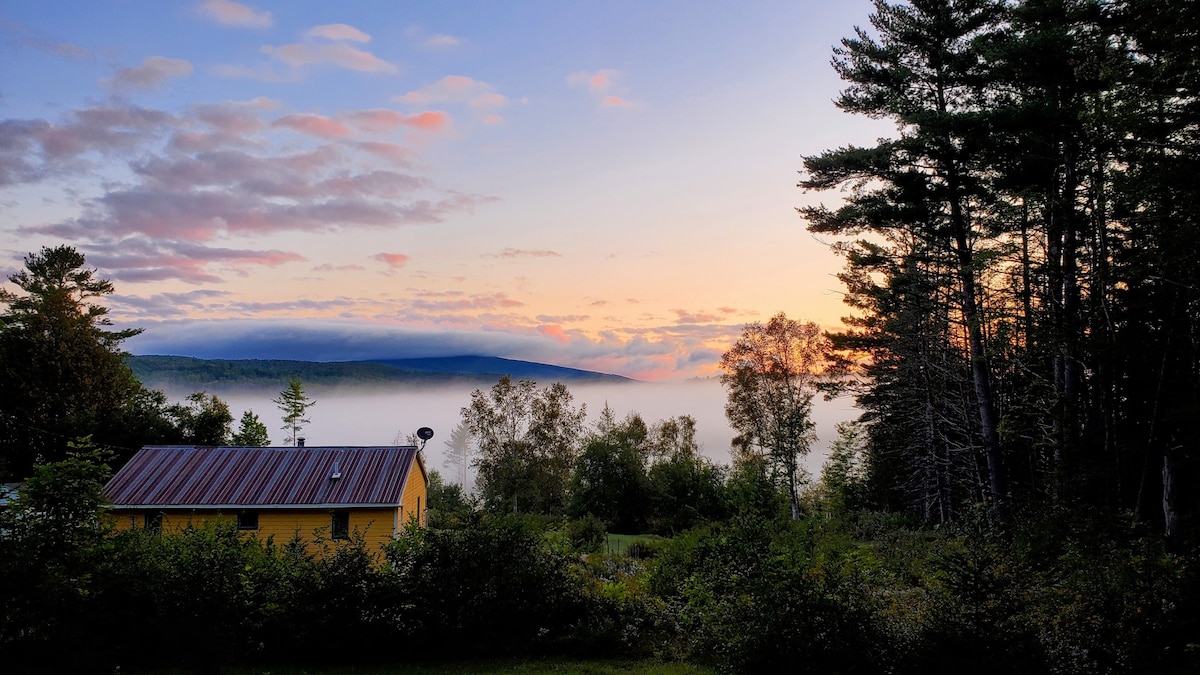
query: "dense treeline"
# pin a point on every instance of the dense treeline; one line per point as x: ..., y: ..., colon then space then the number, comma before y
x: 1021, y: 257
x: 832, y: 591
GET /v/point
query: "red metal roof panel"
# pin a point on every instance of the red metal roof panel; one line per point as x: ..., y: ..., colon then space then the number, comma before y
x: 208, y: 476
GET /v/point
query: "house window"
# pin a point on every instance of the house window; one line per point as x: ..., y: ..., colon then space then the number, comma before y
x: 340, y: 528
x: 153, y: 522
x: 247, y: 520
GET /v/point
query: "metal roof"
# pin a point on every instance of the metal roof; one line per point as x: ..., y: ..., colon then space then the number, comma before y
x: 186, y: 476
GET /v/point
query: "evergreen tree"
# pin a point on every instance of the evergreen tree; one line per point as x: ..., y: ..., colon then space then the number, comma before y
x: 62, y: 371
x: 251, y: 433
x: 294, y: 403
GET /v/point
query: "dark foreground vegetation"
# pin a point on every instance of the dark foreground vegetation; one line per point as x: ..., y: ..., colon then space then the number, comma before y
x: 836, y: 591
x: 1019, y: 494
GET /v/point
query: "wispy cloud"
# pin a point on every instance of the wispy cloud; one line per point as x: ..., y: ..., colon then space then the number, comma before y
x: 456, y: 89
x: 217, y: 171
x: 442, y: 41
x: 616, y: 102
x: 27, y: 36
x: 338, y: 31
x: 230, y: 13
x: 152, y: 74
x: 139, y: 259
x: 313, y: 125
x: 597, y: 81
x: 523, y: 253
x: 382, y: 120
x: 299, y: 55
x: 683, y: 316
x: 327, y: 267
x: 472, y: 302
x: 392, y: 260
x: 600, y: 84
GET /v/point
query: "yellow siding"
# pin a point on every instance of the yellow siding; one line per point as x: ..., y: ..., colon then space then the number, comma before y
x: 312, y: 525
x: 414, y: 499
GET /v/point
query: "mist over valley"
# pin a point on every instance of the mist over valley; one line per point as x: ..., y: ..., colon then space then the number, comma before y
x: 381, y: 415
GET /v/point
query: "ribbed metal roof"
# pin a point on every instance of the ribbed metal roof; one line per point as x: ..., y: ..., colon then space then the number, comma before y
x: 175, y: 475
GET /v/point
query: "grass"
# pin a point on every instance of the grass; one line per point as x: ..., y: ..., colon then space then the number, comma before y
x: 523, y: 667
x: 619, y: 543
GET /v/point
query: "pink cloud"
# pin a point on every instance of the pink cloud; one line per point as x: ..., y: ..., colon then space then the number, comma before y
x: 556, y: 332
x: 456, y: 89
x: 379, y: 120
x: 138, y: 259
x: 385, y: 184
x: 338, y: 31
x: 101, y: 130
x: 493, y: 119
x: 397, y: 154
x: 392, y: 260
x: 313, y: 125
x: 152, y: 74
x: 474, y: 302
x: 341, y: 55
x: 616, y: 102
x: 235, y: 14
x: 597, y: 81
x: 684, y: 316
x: 338, y: 268
x: 599, y: 84
x: 428, y: 121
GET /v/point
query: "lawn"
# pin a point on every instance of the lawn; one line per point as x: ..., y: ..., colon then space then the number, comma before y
x: 524, y: 667
x: 619, y: 543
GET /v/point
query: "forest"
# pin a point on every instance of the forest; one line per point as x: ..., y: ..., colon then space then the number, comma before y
x: 1018, y: 494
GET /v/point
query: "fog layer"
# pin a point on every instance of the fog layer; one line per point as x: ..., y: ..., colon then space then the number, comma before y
x: 358, y: 416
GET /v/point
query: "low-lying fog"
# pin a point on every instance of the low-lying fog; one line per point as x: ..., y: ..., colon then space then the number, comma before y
x: 358, y: 416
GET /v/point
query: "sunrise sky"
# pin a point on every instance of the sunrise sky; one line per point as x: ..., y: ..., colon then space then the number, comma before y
x: 602, y: 185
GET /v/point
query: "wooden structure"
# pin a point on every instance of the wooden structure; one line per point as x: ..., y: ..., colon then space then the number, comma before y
x: 316, y: 493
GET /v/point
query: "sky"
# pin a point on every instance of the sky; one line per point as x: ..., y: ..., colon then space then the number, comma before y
x: 608, y: 186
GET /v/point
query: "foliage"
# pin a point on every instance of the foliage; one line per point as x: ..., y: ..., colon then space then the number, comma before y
x: 609, y: 481
x: 528, y: 442
x: 205, y: 420
x: 294, y: 403
x: 61, y: 370
x: 488, y: 587
x: 1019, y: 255
x: 843, y: 478
x: 52, y: 541
x: 686, y: 490
x: 251, y: 433
x: 771, y: 376
x: 459, y: 448
x: 447, y: 502
x: 756, y: 598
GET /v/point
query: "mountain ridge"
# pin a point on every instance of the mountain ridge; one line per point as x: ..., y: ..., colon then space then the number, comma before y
x: 183, y: 372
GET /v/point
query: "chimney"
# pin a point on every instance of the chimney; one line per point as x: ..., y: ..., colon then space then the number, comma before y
x: 300, y: 442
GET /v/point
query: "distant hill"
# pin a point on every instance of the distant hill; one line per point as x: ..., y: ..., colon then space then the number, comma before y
x: 497, y: 367
x: 187, y: 373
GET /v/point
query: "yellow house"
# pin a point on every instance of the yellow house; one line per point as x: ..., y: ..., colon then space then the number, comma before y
x: 314, y: 492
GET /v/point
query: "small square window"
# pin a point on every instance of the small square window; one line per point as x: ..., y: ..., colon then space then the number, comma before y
x: 247, y: 520
x: 153, y: 522
x: 340, y: 527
